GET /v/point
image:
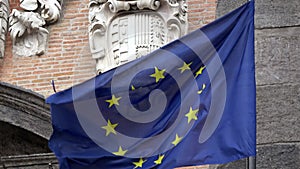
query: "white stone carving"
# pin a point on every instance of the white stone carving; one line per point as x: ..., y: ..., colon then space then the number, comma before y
x: 4, y: 12
x: 27, y: 28
x: 117, y: 5
x: 121, y: 31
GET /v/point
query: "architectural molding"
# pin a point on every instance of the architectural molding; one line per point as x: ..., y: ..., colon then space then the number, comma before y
x: 4, y: 13
x: 33, y: 161
x: 121, y: 31
x: 27, y: 28
x: 25, y: 109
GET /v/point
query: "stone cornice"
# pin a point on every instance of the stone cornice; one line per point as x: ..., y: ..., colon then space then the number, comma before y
x: 46, y: 160
x: 25, y: 109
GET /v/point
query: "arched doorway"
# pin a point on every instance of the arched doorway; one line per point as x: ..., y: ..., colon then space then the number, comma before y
x: 25, y: 127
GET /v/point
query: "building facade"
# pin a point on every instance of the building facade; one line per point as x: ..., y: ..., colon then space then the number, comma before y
x: 57, y: 47
x: 44, y: 41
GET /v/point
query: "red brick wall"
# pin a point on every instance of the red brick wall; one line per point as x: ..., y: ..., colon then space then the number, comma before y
x: 201, y: 12
x: 68, y: 60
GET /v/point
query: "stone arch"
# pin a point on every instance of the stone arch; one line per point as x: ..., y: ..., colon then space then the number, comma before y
x: 25, y: 109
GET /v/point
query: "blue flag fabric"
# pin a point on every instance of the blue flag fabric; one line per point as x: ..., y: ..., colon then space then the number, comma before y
x: 191, y: 102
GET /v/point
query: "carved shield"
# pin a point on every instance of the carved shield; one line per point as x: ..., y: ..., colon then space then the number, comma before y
x: 122, y: 31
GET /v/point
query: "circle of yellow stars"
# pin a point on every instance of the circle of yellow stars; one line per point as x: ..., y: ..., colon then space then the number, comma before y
x: 190, y: 115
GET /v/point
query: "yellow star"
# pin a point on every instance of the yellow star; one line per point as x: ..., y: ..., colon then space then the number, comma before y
x: 159, y: 160
x: 177, y: 140
x: 185, y: 67
x: 192, y: 114
x: 139, y: 163
x: 132, y: 88
x: 199, y: 72
x: 110, y: 128
x: 120, y: 152
x: 203, y: 87
x: 159, y: 74
x: 113, y: 101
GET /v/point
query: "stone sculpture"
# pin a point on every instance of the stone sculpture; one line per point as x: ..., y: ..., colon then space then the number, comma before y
x: 121, y: 31
x: 4, y: 12
x: 27, y: 27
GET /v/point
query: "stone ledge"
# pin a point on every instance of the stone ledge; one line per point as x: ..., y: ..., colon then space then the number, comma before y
x: 24, y: 95
x: 35, y: 161
x: 25, y: 109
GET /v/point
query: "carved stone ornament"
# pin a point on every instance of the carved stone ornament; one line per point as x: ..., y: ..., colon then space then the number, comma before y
x: 121, y: 31
x: 4, y: 13
x: 27, y: 28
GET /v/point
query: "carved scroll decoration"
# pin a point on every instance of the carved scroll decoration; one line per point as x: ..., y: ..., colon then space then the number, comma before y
x: 4, y: 13
x: 117, y: 5
x: 121, y: 31
x: 27, y: 28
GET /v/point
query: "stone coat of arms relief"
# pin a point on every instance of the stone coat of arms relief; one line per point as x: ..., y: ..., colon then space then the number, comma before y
x: 121, y: 31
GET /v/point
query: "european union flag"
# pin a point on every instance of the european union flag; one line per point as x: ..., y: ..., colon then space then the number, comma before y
x: 190, y: 102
